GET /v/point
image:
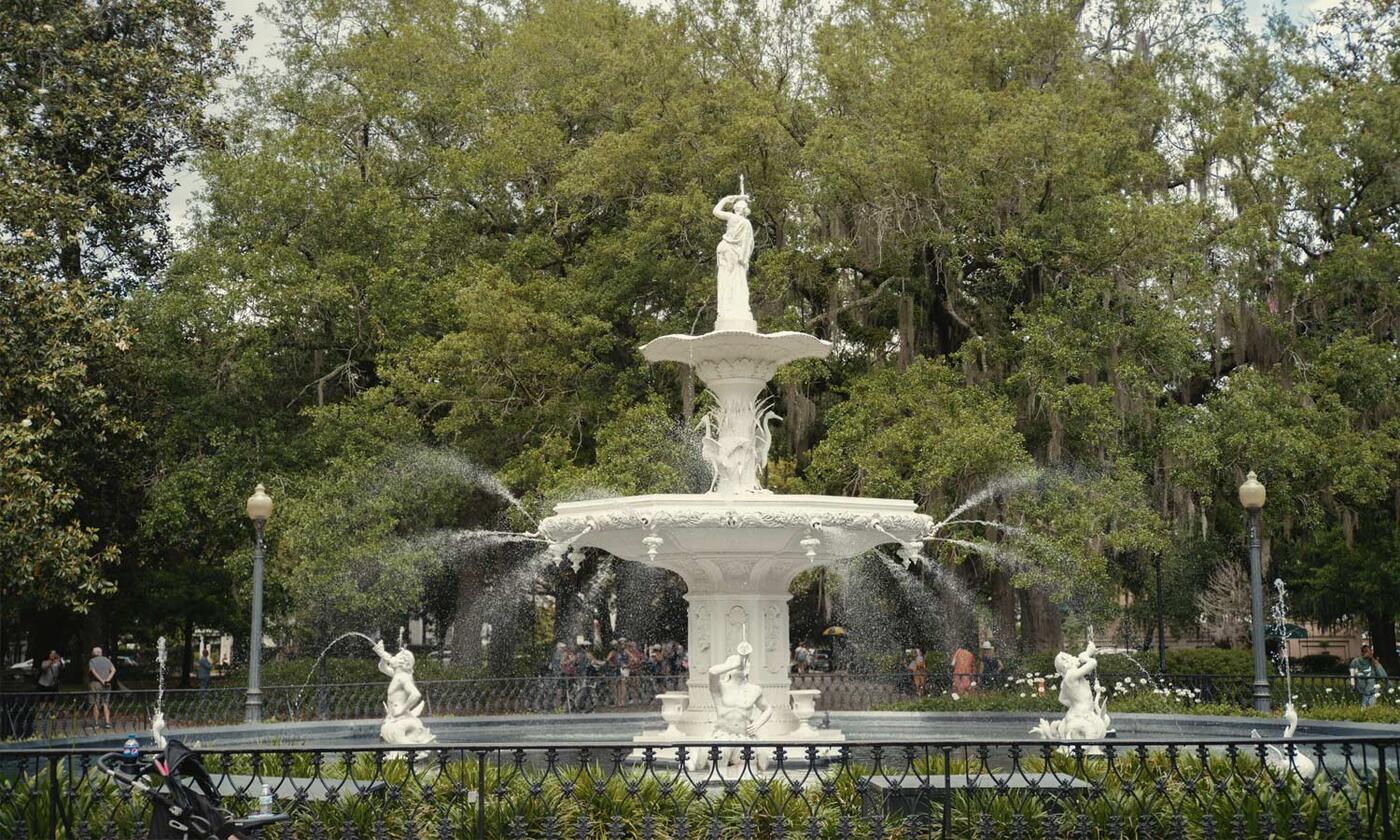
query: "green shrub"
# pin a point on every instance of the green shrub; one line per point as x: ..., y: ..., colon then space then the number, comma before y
x: 1210, y: 661
x: 1379, y: 713
x: 1179, y: 661
x: 1319, y: 663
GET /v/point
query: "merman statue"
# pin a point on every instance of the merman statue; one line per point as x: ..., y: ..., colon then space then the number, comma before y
x: 404, y: 702
x: 740, y: 708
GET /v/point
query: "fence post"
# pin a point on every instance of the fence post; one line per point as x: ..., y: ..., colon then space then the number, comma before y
x: 947, y: 791
x: 1383, y: 791
x: 481, y: 794
x: 57, y: 811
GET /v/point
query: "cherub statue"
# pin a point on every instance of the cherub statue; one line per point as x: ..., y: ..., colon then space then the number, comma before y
x: 404, y: 702
x: 1086, y: 718
x: 740, y: 708
x: 732, y: 262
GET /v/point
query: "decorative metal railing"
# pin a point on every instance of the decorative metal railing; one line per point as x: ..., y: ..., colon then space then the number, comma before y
x: 70, y: 714
x: 927, y: 789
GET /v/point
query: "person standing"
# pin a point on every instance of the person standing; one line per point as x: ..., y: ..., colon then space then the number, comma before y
x: 48, y: 673
x: 800, y: 657
x: 918, y: 671
x: 1366, y: 673
x: 101, y: 672
x: 46, y: 701
x: 964, y: 670
x: 206, y: 671
x: 633, y: 661
x: 616, y: 671
x: 992, y: 669
x: 656, y: 669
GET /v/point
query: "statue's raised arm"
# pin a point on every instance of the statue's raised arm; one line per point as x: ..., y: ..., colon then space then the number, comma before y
x: 720, y: 212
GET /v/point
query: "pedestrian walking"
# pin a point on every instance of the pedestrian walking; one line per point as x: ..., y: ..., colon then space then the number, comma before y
x: 1366, y: 674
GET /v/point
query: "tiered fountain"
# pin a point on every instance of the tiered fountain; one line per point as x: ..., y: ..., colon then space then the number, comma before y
x: 739, y: 546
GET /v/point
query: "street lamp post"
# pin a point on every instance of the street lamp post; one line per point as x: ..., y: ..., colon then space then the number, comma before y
x: 259, y: 509
x: 1161, y: 619
x: 1252, y: 497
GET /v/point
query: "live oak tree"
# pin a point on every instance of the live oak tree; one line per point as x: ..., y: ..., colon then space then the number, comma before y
x: 98, y: 102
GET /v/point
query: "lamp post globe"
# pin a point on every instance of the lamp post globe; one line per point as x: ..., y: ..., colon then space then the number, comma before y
x: 1252, y: 492
x: 1252, y: 496
x: 259, y: 509
x: 260, y: 504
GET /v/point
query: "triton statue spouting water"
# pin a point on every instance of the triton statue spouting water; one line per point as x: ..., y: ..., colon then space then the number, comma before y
x: 738, y: 546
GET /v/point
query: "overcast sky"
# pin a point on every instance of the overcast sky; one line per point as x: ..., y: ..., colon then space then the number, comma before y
x: 187, y: 182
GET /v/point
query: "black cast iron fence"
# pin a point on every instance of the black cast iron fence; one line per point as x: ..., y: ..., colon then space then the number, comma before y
x: 1322, y: 788
x: 70, y: 714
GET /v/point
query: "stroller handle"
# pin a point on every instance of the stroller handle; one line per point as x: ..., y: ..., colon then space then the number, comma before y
x: 115, y: 765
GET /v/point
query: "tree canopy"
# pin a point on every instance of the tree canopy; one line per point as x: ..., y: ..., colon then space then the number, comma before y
x: 1140, y: 247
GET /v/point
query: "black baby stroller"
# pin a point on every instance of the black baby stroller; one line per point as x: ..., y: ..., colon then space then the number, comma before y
x: 183, y: 797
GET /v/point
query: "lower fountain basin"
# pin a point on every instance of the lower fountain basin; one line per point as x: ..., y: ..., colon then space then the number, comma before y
x: 758, y: 529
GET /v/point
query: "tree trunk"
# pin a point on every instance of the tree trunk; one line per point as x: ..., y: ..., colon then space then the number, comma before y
x: 906, y: 332
x: 1003, y: 598
x: 799, y: 416
x: 1041, y: 628
x: 686, y: 376
x: 1382, y: 628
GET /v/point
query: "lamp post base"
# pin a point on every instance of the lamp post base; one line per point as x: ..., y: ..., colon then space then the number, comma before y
x: 1262, y: 700
x: 252, y: 707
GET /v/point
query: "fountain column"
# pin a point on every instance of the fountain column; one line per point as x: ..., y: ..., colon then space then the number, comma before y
x: 718, y: 622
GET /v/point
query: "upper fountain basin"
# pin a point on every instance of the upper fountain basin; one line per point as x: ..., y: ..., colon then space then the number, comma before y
x: 761, y: 537
x: 757, y: 355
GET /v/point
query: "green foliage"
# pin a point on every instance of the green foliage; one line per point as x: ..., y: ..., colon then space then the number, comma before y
x: 920, y: 433
x: 97, y: 104
x: 581, y: 797
x: 48, y: 335
x: 1180, y: 661
x: 1144, y: 249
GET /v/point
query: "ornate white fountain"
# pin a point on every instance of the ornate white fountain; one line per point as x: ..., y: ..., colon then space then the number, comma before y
x: 739, y: 546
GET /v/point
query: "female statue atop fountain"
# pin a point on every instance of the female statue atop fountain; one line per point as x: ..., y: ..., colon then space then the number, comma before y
x: 732, y: 259
x: 404, y: 703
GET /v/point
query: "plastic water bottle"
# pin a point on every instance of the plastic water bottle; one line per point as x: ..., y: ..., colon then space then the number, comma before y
x: 131, y: 749
x: 265, y: 801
